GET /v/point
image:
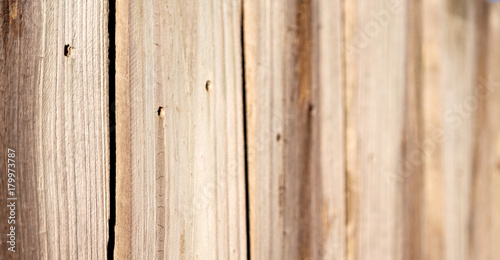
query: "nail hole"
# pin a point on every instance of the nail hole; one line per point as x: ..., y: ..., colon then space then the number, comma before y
x: 161, y: 112
x: 278, y: 137
x: 311, y: 109
x: 67, y: 50
x: 208, y: 86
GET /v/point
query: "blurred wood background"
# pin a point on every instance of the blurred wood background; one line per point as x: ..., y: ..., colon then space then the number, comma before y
x: 238, y: 129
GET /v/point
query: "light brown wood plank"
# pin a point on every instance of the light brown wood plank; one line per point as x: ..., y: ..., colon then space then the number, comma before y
x: 180, y: 173
x: 433, y: 226
x: 492, y: 231
x: 461, y: 111
x: 484, y: 214
x: 381, y: 126
x: 459, y: 52
x: 56, y: 118
x: 411, y: 201
x: 294, y: 125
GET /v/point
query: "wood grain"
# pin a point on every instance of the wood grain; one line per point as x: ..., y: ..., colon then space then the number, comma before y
x: 180, y: 176
x: 491, y: 202
x: 372, y: 129
x: 380, y: 113
x: 459, y: 75
x: 54, y: 113
x: 461, y: 162
x: 433, y: 223
x: 490, y: 235
x: 294, y: 127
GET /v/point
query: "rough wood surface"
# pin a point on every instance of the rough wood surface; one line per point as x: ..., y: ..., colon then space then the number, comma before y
x: 54, y: 114
x: 381, y: 102
x: 372, y: 129
x: 294, y: 126
x: 180, y: 152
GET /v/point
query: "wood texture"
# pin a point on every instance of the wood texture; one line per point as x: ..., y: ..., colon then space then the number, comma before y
x: 180, y: 170
x: 437, y: 58
x: 416, y: 172
x: 460, y: 109
x: 366, y: 135
x: 294, y: 126
x: 364, y: 129
x: 382, y: 98
x: 54, y: 114
x: 459, y: 75
x: 469, y: 160
x: 432, y: 106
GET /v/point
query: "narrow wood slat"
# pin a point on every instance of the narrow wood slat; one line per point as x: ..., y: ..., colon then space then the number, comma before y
x: 492, y: 229
x: 484, y: 213
x: 460, y: 121
x: 293, y: 70
x: 433, y: 223
x: 180, y: 171
x: 54, y: 113
x: 458, y: 48
x: 382, y: 76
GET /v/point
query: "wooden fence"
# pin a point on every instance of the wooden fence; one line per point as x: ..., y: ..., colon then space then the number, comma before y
x: 250, y: 129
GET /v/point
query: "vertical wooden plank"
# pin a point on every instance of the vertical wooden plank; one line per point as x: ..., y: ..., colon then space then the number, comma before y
x: 294, y: 129
x: 461, y: 112
x: 433, y: 226
x: 382, y: 128
x: 484, y: 211
x: 459, y: 53
x: 180, y: 167
x: 411, y: 200
x: 329, y: 77
x: 54, y: 90
x: 493, y: 190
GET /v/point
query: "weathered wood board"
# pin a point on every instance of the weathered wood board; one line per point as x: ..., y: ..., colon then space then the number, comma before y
x: 180, y: 145
x: 469, y: 96
x: 54, y: 114
x: 294, y: 99
x: 461, y: 140
x: 381, y: 124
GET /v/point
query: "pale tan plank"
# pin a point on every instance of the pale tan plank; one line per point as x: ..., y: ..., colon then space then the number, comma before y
x: 484, y: 212
x: 432, y: 123
x: 411, y: 167
x: 294, y: 125
x: 181, y: 174
x: 59, y: 107
x: 376, y: 86
x: 459, y: 74
x: 331, y: 137
x: 493, y: 235
x: 461, y: 111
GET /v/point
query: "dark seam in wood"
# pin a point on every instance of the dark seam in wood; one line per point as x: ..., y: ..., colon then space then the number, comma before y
x: 412, y: 183
x: 304, y: 60
x: 481, y: 124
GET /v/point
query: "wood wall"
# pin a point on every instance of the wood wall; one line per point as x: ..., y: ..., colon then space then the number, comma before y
x: 239, y: 129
